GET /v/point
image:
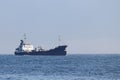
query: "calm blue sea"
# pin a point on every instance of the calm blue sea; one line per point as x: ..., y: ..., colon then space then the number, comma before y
x: 70, y: 67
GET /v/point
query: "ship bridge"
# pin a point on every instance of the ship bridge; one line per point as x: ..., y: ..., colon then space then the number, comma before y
x: 25, y: 47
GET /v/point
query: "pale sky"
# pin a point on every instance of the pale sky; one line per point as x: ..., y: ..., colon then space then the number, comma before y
x: 86, y: 26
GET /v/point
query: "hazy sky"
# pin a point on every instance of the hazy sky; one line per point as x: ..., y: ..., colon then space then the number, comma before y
x: 86, y: 26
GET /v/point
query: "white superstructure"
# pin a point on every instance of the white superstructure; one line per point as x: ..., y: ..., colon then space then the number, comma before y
x: 27, y: 47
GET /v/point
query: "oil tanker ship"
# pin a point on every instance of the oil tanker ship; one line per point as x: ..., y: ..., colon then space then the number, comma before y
x: 28, y: 49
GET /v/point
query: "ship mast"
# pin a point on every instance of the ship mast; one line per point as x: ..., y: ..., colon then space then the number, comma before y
x: 59, y: 40
x: 25, y: 38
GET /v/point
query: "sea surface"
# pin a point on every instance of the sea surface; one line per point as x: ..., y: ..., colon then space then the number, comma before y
x: 70, y: 67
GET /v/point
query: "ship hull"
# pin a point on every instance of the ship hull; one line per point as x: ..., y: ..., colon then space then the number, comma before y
x: 40, y: 53
x: 60, y: 50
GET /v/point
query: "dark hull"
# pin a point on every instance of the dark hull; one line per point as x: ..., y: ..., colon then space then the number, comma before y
x: 60, y: 50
